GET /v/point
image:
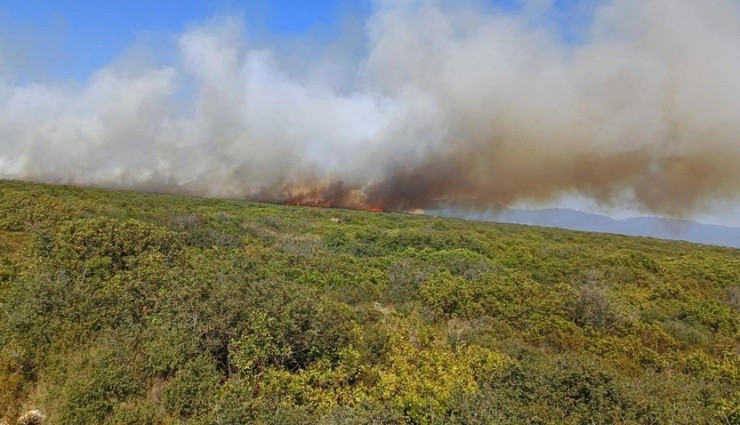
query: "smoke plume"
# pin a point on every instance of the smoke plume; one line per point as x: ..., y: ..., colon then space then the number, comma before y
x: 439, y: 104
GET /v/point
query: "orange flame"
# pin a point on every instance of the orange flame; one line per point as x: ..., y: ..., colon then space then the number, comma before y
x: 320, y: 195
x: 325, y: 203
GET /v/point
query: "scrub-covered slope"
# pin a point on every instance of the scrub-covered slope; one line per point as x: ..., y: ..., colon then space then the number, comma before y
x: 131, y: 308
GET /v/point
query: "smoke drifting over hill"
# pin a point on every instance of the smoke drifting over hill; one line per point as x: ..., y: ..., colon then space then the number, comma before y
x: 445, y: 104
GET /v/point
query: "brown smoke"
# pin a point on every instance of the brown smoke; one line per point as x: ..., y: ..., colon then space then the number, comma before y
x: 669, y: 185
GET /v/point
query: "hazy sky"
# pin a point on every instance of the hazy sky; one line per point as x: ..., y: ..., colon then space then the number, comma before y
x: 600, y: 84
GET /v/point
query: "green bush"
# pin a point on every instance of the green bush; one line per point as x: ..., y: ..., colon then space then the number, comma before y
x: 133, y: 308
x: 191, y: 389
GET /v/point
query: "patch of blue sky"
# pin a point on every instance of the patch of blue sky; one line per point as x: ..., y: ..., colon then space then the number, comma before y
x: 69, y: 39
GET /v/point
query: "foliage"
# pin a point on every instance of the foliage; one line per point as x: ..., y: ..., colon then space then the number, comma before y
x: 131, y: 308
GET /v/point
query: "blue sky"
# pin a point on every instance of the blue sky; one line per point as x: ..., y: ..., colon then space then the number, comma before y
x: 68, y: 39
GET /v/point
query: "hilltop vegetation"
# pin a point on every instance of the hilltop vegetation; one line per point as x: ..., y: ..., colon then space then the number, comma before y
x: 131, y: 308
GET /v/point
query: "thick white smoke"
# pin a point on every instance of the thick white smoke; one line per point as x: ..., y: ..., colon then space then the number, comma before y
x: 448, y: 103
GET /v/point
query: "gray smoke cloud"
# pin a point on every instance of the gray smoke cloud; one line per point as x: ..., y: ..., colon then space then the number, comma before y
x: 445, y: 104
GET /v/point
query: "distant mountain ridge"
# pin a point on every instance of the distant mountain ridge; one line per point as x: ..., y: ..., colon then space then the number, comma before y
x: 565, y: 218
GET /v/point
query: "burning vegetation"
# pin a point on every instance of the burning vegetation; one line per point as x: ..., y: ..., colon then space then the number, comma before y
x: 320, y: 195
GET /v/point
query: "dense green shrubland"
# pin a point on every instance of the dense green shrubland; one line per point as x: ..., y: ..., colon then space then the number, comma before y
x: 130, y: 308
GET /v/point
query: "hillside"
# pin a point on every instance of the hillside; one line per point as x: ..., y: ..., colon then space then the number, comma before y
x: 132, y: 308
x: 565, y: 218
